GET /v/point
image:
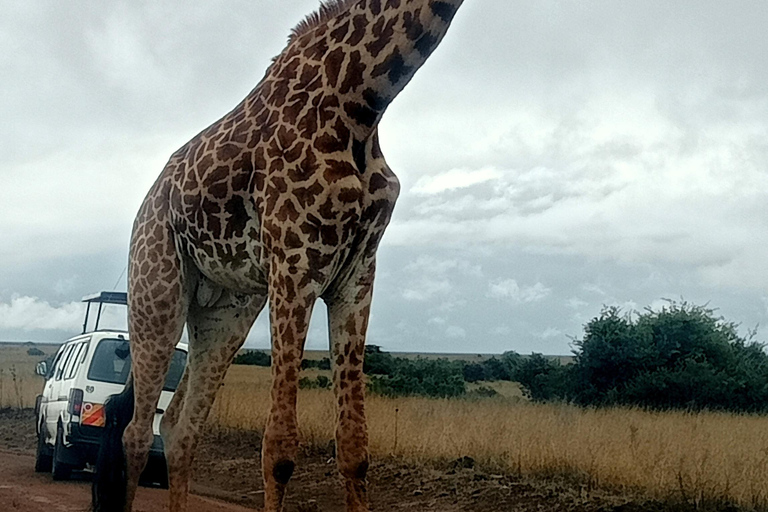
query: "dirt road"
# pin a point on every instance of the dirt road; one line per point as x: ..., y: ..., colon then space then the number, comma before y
x: 227, y: 478
x: 21, y: 489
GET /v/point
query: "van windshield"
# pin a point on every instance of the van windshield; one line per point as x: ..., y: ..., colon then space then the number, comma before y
x: 112, y: 363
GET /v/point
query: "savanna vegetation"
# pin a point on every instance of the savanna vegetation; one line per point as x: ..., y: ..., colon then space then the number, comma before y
x: 670, y: 403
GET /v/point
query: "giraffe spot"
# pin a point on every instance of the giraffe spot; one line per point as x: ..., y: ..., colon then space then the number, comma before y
x: 327, y: 109
x: 227, y: 152
x: 354, y: 75
x: 294, y: 153
x: 358, y: 155
x: 333, y: 62
x: 238, y: 217
x: 443, y: 10
x: 307, y: 125
x: 392, y: 4
x: 287, y: 211
x: 412, y: 24
x: 291, y: 239
x: 350, y: 195
x: 393, y: 66
x: 327, y: 143
x: 358, y: 33
x: 338, y: 170
x: 204, y: 164
x: 338, y: 33
x: 316, y: 51
x: 307, y: 195
x: 426, y: 44
x: 377, y: 182
x: 383, y: 30
x: 219, y: 190
x: 361, y: 114
x: 328, y: 235
x: 374, y: 100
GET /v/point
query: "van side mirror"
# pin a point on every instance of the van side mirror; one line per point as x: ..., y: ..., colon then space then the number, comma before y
x: 42, y: 368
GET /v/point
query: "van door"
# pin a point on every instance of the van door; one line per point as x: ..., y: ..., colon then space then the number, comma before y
x: 48, y: 396
x: 58, y: 389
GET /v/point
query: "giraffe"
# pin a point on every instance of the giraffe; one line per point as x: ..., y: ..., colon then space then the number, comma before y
x: 282, y: 201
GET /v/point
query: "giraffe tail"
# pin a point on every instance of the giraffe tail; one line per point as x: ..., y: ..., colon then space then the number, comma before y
x: 109, y: 482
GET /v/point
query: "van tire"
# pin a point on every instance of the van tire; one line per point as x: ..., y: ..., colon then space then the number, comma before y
x: 60, y: 469
x: 43, y: 457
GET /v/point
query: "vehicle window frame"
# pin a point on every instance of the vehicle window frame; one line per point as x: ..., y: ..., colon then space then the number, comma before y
x: 77, y: 360
x: 52, y: 370
x: 64, y: 360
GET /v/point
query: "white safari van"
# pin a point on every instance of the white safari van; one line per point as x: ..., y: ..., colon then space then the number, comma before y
x: 85, y: 371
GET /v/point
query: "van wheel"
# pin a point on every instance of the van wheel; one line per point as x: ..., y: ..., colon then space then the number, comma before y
x: 43, y: 458
x: 60, y: 469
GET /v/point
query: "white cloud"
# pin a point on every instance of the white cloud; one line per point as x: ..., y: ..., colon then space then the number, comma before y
x: 31, y: 314
x: 509, y: 289
x: 453, y: 179
x: 426, y: 289
x: 454, y: 331
x: 550, y: 332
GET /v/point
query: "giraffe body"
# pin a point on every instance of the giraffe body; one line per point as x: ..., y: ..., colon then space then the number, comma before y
x: 282, y: 201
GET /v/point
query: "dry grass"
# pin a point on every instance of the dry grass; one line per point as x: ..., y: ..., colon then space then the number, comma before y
x: 18, y: 383
x: 707, y: 457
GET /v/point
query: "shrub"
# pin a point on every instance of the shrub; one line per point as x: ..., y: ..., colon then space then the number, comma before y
x: 681, y: 357
x: 35, y: 352
x: 319, y: 382
x: 253, y: 357
x: 320, y: 364
x: 391, y: 376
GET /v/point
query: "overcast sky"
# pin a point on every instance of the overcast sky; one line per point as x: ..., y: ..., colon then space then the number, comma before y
x: 555, y: 157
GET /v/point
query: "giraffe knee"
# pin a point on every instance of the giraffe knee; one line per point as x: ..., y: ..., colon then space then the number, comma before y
x: 283, y: 470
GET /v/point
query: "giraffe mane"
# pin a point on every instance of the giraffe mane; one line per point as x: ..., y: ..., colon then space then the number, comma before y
x: 328, y: 9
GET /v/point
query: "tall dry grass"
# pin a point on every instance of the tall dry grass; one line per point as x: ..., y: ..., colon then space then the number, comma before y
x: 702, y: 457
x: 19, y: 386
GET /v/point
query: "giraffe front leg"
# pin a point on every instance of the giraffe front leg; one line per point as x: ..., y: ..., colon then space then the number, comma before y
x: 348, y: 314
x: 290, y: 308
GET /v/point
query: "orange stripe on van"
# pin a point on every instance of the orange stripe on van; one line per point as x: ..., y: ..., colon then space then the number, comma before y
x: 92, y: 415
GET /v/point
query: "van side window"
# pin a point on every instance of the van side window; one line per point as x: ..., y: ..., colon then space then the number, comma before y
x: 74, y: 361
x: 63, y: 361
x: 52, y: 368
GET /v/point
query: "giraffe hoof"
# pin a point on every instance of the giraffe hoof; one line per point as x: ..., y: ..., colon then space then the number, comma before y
x: 283, y: 470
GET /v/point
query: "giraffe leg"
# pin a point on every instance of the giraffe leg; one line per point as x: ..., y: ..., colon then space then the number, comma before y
x: 290, y: 310
x: 216, y: 333
x: 155, y: 330
x: 348, y: 312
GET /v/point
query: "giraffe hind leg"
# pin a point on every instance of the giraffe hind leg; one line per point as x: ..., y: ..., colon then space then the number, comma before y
x: 216, y: 333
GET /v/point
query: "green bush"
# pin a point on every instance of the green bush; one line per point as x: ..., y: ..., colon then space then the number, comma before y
x: 396, y: 376
x: 680, y: 357
x: 254, y: 358
x: 320, y: 364
x: 319, y: 382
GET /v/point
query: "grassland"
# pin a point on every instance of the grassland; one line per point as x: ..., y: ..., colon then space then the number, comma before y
x: 700, y: 458
x: 18, y: 383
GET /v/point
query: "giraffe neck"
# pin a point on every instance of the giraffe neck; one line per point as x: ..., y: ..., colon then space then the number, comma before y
x: 371, y: 50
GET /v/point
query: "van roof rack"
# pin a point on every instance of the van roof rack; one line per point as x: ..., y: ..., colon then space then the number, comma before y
x: 119, y: 298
